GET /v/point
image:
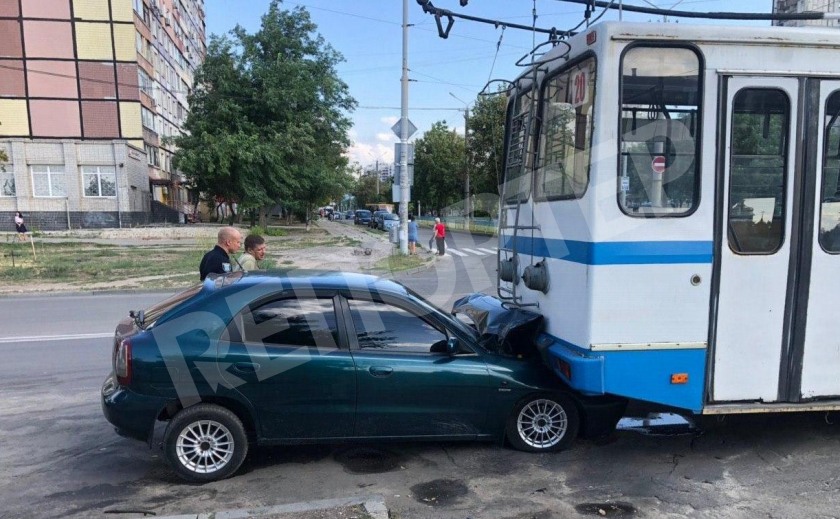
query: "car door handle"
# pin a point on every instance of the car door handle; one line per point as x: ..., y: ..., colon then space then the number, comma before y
x: 380, y: 371
x: 246, y: 367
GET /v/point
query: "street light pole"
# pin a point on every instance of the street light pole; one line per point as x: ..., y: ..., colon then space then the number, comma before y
x: 404, y: 136
x: 467, y: 198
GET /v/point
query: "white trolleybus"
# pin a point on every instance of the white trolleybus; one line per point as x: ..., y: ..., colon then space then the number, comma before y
x: 671, y: 207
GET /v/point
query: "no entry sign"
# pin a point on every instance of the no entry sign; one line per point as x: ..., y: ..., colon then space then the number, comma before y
x: 658, y: 164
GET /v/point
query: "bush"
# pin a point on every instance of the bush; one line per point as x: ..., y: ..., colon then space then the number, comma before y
x: 267, y: 231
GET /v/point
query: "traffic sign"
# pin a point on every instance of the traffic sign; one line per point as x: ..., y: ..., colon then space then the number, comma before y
x: 397, y: 129
x: 658, y: 164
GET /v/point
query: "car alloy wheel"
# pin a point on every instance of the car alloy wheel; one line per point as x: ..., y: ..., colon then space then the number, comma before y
x: 205, y: 442
x: 204, y: 446
x: 543, y: 423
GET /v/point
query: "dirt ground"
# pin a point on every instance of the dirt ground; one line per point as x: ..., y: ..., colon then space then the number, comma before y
x: 361, y: 251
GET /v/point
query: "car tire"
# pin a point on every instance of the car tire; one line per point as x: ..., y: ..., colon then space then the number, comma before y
x: 205, y: 442
x: 544, y: 422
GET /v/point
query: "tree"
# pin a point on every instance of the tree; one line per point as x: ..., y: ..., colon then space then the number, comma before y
x: 438, y: 163
x: 267, y: 121
x: 365, y: 190
x: 486, y: 146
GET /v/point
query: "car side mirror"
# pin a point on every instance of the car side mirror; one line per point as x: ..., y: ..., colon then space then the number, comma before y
x: 452, y: 347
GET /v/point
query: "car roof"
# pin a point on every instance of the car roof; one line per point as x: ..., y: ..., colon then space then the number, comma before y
x: 306, y: 279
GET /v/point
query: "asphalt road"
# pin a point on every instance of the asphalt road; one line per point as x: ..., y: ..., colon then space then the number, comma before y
x: 60, y: 458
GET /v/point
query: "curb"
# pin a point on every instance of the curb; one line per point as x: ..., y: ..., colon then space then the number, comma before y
x: 374, y: 506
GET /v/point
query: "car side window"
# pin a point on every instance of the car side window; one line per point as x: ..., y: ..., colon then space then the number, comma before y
x: 385, y: 327
x: 291, y: 322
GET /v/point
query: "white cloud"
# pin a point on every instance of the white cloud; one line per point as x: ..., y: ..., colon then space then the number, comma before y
x: 386, y: 137
x: 391, y: 120
x: 366, y: 153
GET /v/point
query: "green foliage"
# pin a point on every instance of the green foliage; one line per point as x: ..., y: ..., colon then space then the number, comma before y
x: 438, y: 167
x: 365, y: 190
x: 486, y: 146
x: 267, y: 231
x: 268, y: 117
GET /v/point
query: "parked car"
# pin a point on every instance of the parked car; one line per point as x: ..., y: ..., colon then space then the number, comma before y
x: 388, y: 220
x: 336, y: 215
x: 374, y: 221
x: 362, y: 217
x: 349, y: 215
x: 303, y: 357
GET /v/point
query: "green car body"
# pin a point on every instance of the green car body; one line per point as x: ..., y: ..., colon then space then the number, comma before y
x: 191, y: 352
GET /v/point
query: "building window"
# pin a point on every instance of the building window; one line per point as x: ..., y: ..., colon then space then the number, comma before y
x: 152, y: 155
x: 99, y: 181
x: 147, y: 118
x: 48, y: 181
x: 7, y: 182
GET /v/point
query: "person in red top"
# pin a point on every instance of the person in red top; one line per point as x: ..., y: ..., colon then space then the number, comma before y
x: 440, y: 234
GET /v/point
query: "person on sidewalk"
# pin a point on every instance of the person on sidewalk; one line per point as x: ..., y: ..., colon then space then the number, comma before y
x: 412, y: 235
x: 20, y: 227
x: 217, y: 260
x: 440, y: 234
x: 254, y: 252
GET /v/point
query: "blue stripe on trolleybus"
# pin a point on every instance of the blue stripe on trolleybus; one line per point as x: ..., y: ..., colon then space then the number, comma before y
x: 616, y: 252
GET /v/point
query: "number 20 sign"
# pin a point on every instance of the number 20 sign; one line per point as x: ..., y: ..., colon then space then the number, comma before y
x: 579, y: 88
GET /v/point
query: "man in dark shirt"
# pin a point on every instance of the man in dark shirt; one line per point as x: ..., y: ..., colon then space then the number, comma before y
x: 218, y: 261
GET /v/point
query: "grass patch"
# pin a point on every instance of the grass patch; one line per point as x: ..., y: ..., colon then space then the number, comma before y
x: 268, y: 231
x: 398, y: 262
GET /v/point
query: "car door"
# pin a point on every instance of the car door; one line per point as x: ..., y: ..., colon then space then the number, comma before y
x: 407, y: 384
x: 288, y: 358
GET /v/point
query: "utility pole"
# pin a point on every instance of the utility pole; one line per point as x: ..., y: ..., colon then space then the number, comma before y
x: 404, y: 136
x: 467, y: 198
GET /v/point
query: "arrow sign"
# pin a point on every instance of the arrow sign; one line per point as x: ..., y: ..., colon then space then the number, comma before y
x: 397, y: 129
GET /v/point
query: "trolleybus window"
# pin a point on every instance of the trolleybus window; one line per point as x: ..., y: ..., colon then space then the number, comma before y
x: 830, y: 201
x: 566, y: 132
x: 660, y: 119
x: 521, y: 131
x: 758, y: 170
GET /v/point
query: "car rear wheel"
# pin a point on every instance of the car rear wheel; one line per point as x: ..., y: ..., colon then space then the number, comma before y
x: 205, y: 442
x: 543, y: 423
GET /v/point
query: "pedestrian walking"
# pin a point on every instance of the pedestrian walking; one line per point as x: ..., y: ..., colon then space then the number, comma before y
x: 217, y: 260
x: 254, y: 252
x: 440, y: 235
x: 20, y: 227
x: 412, y: 235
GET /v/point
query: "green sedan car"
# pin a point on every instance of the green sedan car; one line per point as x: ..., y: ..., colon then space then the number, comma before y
x: 305, y: 357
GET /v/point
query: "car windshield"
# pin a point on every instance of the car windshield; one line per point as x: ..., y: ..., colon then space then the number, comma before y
x: 392, y: 217
x: 362, y: 214
x: 430, y: 308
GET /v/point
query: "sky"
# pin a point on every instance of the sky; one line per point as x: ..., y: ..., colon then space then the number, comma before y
x: 446, y: 74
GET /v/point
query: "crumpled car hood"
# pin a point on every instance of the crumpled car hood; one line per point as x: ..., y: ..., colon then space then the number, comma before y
x: 508, y: 331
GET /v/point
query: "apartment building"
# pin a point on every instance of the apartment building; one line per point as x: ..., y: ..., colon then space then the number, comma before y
x: 89, y: 92
x: 801, y: 6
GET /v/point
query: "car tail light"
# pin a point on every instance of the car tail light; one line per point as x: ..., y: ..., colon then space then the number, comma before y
x: 122, y: 362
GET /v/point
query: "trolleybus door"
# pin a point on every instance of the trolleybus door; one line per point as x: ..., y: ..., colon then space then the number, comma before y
x: 821, y: 351
x: 758, y: 159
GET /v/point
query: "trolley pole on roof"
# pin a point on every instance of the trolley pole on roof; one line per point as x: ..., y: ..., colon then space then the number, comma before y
x: 403, y: 158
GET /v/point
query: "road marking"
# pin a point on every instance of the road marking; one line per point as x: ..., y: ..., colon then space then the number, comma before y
x: 488, y: 251
x: 456, y: 252
x: 471, y: 251
x: 42, y: 338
